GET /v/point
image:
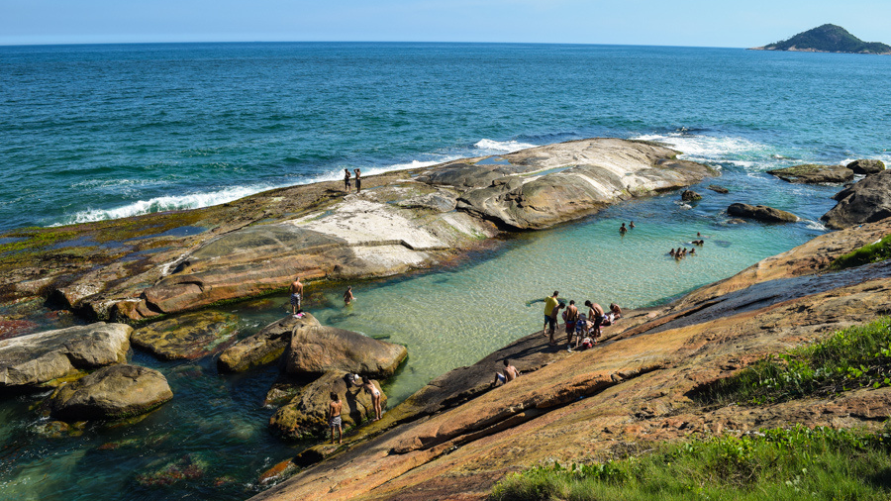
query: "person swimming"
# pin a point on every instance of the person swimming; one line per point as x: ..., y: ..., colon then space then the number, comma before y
x: 623, y: 229
x: 631, y: 225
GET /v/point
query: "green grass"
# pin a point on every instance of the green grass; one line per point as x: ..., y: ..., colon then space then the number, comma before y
x: 872, y: 253
x: 781, y: 464
x: 855, y: 357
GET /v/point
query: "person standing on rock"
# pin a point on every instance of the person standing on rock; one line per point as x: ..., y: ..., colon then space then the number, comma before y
x: 358, y: 180
x: 348, y: 296
x: 570, y: 317
x: 335, y: 422
x: 375, y: 397
x: 595, y: 313
x: 550, y: 315
x: 296, y: 290
x: 346, y: 180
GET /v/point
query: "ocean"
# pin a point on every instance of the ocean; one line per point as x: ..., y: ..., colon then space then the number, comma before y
x: 98, y: 132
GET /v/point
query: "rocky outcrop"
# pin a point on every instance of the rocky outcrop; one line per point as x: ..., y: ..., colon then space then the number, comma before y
x: 187, y: 337
x: 866, y: 166
x: 761, y: 213
x: 690, y: 196
x: 813, y: 174
x: 306, y: 414
x: 718, y: 189
x: 316, y: 349
x: 115, y: 392
x: 27, y: 362
x: 868, y: 201
x: 634, y: 387
x: 264, y: 347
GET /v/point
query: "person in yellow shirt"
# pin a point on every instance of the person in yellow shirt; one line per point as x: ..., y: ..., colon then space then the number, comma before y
x: 550, y: 315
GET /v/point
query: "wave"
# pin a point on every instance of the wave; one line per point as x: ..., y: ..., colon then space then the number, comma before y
x: 711, y: 148
x: 488, y: 145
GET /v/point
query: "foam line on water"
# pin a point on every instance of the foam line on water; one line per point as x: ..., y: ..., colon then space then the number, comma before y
x: 488, y: 145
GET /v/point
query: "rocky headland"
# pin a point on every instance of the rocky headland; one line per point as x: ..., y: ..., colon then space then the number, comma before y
x: 828, y: 38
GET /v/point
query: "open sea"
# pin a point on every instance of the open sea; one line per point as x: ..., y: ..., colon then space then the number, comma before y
x: 109, y: 131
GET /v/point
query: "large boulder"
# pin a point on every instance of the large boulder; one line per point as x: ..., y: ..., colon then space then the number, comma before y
x: 306, y: 414
x: 761, y: 213
x: 115, y: 392
x: 866, y: 166
x: 265, y: 346
x: 868, y: 201
x: 316, y: 349
x: 187, y: 337
x: 813, y: 174
x: 26, y: 362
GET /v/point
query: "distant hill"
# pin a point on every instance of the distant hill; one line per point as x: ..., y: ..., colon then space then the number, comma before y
x: 828, y: 38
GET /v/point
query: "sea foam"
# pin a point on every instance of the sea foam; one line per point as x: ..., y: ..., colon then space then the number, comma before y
x: 488, y: 145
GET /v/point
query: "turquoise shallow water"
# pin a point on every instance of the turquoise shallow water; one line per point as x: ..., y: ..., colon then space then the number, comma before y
x: 93, y: 132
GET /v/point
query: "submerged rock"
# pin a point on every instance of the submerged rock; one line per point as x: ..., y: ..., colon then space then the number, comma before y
x: 718, y: 189
x: 36, y: 359
x: 115, y: 392
x: 187, y: 337
x: 690, y: 196
x: 265, y: 346
x: 868, y: 201
x: 279, y: 472
x: 866, y: 166
x: 189, y: 467
x: 306, y: 414
x: 316, y: 349
x: 813, y: 174
x: 761, y: 213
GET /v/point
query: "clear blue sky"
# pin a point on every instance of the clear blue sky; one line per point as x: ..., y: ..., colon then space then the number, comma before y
x: 710, y: 23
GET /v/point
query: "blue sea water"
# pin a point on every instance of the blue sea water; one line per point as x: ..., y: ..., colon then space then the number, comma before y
x: 106, y: 131
x: 94, y: 132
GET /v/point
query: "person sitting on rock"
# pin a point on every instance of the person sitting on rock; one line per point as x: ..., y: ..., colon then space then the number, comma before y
x: 510, y: 373
x: 335, y: 422
x: 375, y: 396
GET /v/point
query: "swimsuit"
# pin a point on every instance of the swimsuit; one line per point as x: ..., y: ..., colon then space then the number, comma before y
x: 358, y: 184
x: 501, y: 377
x: 335, y: 422
x: 295, y: 299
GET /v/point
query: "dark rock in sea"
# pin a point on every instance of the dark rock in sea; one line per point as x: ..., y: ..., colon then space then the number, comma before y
x: 718, y: 189
x: 306, y: 414
x: 690, y: 196
x: 27, y: 362
x: 813, y: 174
x: 188, y: 336
x: 867, y: 201
x: 761, y: 213
x: 265, y: 346
x: 189, y: 467
x: 279, y: 472
x: 316, y: 349
x: 867, y: 166
x: 115, y: 392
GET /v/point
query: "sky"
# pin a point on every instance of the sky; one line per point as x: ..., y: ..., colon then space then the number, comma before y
x: 697, y: 23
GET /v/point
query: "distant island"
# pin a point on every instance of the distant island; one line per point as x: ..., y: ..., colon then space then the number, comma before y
x: 828, y: 38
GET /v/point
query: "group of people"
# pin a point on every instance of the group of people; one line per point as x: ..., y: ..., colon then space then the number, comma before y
x: 624, y: 229
x: 296, y: 297
x: 335, y: 407
x: 682, y: 252
x: 586, y: 329
x: 346, y: 180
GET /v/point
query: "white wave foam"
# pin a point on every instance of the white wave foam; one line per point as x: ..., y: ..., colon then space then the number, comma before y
x: 501, y: 146
x: 814, y: 225
x: 710, y: 147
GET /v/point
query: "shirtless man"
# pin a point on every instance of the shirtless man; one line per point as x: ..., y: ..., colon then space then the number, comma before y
x: 358, y: 180
x: 348, y: 296
x: 595, y: 313
x: 510, y: 373
x: 571, y: 316
x: 334, y: 420
x: 623, y: 229
x: 346, y: 180
x: 296, y: 290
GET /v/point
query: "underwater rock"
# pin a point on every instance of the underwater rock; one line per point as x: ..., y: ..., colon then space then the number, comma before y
x: 761, y: 213
x: 265, y: 346
x: 316, y: 349
x: 115, y: 392
x: 26, y: 362
x: 866, y: 166
x: 813, y: 174
x: 188, y: 467
x: 278, y: 472
x: 718, y: 189
x: 188, y: 336
x: 868, y: 201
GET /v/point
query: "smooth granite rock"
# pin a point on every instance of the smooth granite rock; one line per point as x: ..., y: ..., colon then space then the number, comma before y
x: 32, y: 360
x: 306, y: 414
x: 868, y: 201
x: 115, y: 392
x: 265, y: 346
x: 317, y: 350
x: 188, y: 336
x: 813, y: 174
x: 761, y: 213
x: 866, y: 166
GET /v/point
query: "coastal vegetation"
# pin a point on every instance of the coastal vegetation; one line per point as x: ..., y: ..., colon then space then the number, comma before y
x: 829, y: 38
x: 872, y: 253
x: 794, y: 463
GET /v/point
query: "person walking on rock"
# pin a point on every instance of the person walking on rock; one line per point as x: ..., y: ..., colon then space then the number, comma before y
x: 296, y: 290
x: 348, y: 296
x: 375, y: 397
x: 346, y: 180
x: 335, y: 422
x: 550, y: 315
x: 358, y: 180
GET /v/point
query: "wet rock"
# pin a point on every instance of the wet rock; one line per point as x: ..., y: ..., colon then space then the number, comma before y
x: 186, y: 468
x: 866, y: 166
x: 314, y: 455
x: 265, y: 346
x: 187, y: 337
x: 115, y: 392
x: 59, y: 429
x: 813, y: 174
x: 868, y: 201
x: 718, y: 189
x: 761, y: 213
x: 306, y: 414
x: 279, y: 472
x: 281, y: 393
x: 36, y: 359
x: 315, y: 349
x: 690, y: 196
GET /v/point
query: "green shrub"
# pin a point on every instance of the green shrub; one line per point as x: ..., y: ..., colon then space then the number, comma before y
x: 872, y: 253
